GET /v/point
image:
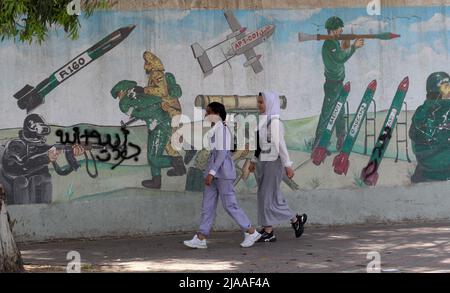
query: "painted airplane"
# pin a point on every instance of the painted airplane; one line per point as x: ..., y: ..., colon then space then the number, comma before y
x: 243, y: 44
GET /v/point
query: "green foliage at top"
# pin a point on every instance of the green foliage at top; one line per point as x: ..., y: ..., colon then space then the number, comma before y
x: 30, y: 20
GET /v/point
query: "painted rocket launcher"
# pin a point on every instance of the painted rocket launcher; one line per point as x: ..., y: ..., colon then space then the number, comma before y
x: 31, y: 97
x: 320, y: 151
x: 370, y: 173
x: 341, y: 162
x: 302, y: 37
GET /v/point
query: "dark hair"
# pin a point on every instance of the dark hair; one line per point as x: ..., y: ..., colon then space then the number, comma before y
x: 219, y: 109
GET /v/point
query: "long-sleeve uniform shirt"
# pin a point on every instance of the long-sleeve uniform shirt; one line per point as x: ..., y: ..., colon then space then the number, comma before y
x: 271, y: 143
x: 220, y: 164
x: 334, y: 58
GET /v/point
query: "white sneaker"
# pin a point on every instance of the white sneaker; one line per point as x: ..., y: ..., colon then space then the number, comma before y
x: 195, y: 243
x: 250, y: 239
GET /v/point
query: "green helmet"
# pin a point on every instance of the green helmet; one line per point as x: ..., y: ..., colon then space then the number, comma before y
x: 123, y: 85
x: 333, y: 23
x: 435, y: 80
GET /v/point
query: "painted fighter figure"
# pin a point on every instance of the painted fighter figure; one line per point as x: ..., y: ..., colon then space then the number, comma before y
x: 135, y: 103
x: 334, y: 56
x: 163, y: 84
x: 430, y: 131
x: 24, y: 168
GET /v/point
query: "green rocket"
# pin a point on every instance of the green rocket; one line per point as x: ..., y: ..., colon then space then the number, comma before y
x: 370, y: 173
x: 320, y: 151
x: 341, y: 162
x: 31, y: 97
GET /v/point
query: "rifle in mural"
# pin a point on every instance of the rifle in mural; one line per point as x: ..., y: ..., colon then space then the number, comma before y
x: 370, y: 173
x: 302, y: 37
x: 341, y: 162
x: 31, y: 97
x: 73, y: 162
x: 320, y: 150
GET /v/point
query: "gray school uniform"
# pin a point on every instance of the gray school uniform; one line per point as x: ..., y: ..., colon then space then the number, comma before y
x: 271, y: 158
x: 272, y: 207
x: 221, y: 166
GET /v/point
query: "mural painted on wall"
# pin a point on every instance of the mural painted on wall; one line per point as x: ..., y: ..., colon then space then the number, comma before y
x: 364, y: 98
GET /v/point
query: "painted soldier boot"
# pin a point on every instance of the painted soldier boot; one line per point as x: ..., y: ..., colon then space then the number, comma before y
x: 178, y: 167
x: 155, y: 183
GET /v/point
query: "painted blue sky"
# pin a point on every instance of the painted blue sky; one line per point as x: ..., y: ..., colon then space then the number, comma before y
x: 292, y: 68
x: 179, y: 24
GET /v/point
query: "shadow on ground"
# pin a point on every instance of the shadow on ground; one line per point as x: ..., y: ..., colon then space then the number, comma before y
x: 422, y: 247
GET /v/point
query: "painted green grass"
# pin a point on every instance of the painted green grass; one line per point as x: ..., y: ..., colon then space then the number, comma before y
x: 300, y: 134
x: 126, y: 179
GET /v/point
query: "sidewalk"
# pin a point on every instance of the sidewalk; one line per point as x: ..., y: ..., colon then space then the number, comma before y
x: 409, y: 247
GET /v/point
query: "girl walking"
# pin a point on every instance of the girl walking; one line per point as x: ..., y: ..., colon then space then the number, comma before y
x: 219, y: 182
x: 270, y: 161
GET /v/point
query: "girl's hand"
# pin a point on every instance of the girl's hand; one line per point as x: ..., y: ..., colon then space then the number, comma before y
x: 252, y: 167
x: 209, y: 179
x: 289, y: 172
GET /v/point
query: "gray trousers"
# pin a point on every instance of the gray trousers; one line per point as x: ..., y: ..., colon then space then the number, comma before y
x: 272, y: 207
x: 224, y: 189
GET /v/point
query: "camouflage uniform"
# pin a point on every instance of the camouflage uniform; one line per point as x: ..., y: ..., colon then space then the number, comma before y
x: 163, y: 85
x: 430, y: 131
x: 137, y: 104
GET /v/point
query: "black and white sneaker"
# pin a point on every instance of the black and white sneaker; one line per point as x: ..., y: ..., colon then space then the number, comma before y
x: 267, y: 237
x: 299, y: 225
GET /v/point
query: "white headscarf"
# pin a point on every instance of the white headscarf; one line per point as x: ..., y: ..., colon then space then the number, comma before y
x: 272, y: 101
x: 273, y: 134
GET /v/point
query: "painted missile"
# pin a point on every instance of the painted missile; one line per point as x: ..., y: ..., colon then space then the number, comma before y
x: 341, y: 162
x: 302, y: 37
x: 31, y: 97
x: 320, y: 151
x: 236, y: 33
x: 252, y: 60
x: 369, y: 174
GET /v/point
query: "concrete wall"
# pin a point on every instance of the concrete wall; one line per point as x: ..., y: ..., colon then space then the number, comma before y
x: 116, y: 204
x: 137, y: 214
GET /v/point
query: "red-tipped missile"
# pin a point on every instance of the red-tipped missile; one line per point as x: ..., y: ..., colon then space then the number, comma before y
x: 320, y: 152
x: 370, y: 173
x: 341, y: 162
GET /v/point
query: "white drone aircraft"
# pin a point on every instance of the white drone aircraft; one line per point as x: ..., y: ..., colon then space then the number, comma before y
x: 244, y: 44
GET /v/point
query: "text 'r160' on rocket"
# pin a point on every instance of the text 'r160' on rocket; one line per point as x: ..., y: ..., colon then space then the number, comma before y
x: 31, y: 97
